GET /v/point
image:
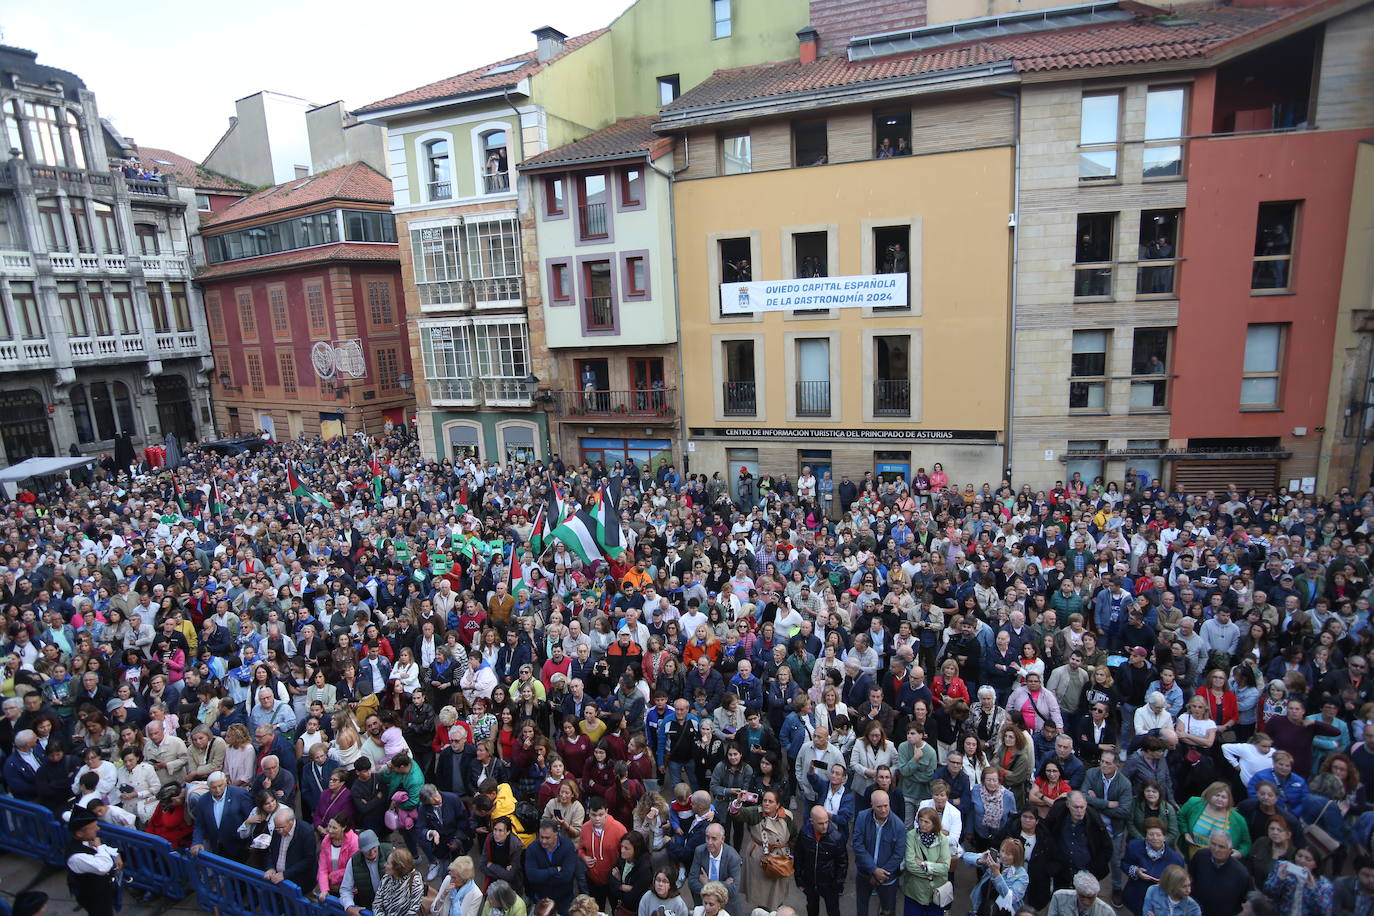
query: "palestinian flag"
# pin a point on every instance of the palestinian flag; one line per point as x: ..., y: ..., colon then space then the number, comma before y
x: 297, y: 488
x: 607, y: 524
x: 377, y: 485
x: 578, y: 532
x: 538, y: 532
x: 515, y: 577
x: 217, y: 504
x: 558, y: 505
x: 180, y: 496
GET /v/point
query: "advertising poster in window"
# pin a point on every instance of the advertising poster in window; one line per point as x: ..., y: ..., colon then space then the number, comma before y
x: 871, y: 291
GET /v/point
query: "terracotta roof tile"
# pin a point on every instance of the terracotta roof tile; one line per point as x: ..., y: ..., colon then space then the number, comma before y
x: 291, y: 259
x: 478, y: 79
x: 356, y: 181
x: 623, y: 138
x: 188, y: 173
x: 1189, y: 31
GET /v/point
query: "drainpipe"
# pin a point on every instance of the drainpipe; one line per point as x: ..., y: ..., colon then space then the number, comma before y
x: 1015, y: 95
x: 520, y: 150
x: 677, y: 292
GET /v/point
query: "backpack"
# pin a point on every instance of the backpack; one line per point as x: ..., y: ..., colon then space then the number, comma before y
x: 527, y: 814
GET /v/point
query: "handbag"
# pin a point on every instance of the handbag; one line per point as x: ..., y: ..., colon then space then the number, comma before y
x: 944, y: 895
x: 1318, y: 840
x: 778, y: 863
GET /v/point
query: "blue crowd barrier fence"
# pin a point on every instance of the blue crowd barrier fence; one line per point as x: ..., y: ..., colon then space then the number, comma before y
x: 221, y: 886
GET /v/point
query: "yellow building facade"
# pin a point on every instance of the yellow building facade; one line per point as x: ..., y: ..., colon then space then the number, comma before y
x: 853, y: 389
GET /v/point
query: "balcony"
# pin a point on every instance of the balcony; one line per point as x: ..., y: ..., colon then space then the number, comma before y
x: 892, y: 398
x: 461, y: 392
x: 23, y: 354
x: 813, y: 399
x: 497, y: 292
x: 592, y: 221
x: 506, y: 392
x: 740, y: 399
x: 634, y: 404
x: 1092, y: 281
x: 145, y: 188
x: 1149, y: 393
x: 179, y: 343
x: 440, y: 190
x: 16, y: 263
x: 598, y: 313
x: 90, y: 349
x: 496, y: 182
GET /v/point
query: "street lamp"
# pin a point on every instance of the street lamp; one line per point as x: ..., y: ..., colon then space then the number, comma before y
x: 404, y: 381
x: 224, y: 379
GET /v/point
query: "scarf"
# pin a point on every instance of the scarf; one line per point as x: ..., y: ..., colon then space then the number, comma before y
x: 992, y: 808
x: 928, y: 839
x: 1155, y: 856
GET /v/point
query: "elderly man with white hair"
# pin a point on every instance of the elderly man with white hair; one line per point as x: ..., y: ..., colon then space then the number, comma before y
x: 291, y: 856
x: 269, y: 711
x: 219, y: 812
x: 167, y: 753
x: 1153, y: 719
x: 816, y: 759
x: 22, y: 765
x: 1081, y: 899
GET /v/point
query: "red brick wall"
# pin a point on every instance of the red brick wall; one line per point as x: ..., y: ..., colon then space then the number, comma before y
x: 840, y: 20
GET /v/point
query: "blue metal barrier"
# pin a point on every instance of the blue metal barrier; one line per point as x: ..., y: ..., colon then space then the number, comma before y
x: 33, y: 831
x: 232, y: 889
x: 150, y: 862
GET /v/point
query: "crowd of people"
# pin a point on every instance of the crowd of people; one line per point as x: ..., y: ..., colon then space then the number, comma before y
x: 135, y: 169
x: 379, y: 677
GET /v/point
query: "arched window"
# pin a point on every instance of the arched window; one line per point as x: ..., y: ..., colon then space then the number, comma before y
x: 81, y: 413
x: 495, y: 162
x: 438, y: 170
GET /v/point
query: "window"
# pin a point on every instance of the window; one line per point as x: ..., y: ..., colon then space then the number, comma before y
x: 592, y: 221
x: 287, y: 235
x: 1274, y: 246
x: 286, y: 368
x: 495, y: 171
x: 555, y: 200
x: 388, y: 368
x: 50, y: 217
x: 45, y: 123
x: 740, y: 397
x: 10, y: 227
x: 631, y: 187
x: 255, y: 381
x: 813, y: 377
x: 1093, y: 255
x: 276, y: 302
x: 69, y: 300
x: 560, y: 281
x: 734, y: 261
x: 203, y: 203
x: 1259, y: 386
x: 636, y: 280
x: 1163, y: 128
x: 101, y: 410
x: 494, y: 259
x: 1149, y: 369
x: 1088, y: 371
x: 181, y: 307
x: 106, y: 228
x: 519, y: 444
x: 736, y: 154
x: 379, y: 310
x: 1098, y: 136
x: 892, y: 255
x: 892, y: 386
x: 448, y: 362
x: 26, y: 310
x: 1156, y: 273
x: 248, y: 322
x: 598, y: 311
x: 669, y: 88
x: 100, y: 310
x: 503, y: 359
x: 1089, y: 466
x: 438, y: 170
x: 124, y: 308
x: 214, y: 315
x: 81, y: 225
x: 892, y: 133
x: 369, y: 226
x: 1147, y: 469
x: 809, y: 143
x: 147, y: 239
x: 648, y: 383
x: 810, y: 252
x: 438, y: 265
x: 314, y: 306
x: 720, y: 19
x: 157, y: 304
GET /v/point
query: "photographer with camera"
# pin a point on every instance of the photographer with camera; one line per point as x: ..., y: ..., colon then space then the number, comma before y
x: 1003, y: 879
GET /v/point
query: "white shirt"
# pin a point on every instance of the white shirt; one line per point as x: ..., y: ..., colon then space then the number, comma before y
x: 832, y: 800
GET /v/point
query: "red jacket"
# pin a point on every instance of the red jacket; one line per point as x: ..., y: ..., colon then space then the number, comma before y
x: 605, y: 849
x: 1230, y: 711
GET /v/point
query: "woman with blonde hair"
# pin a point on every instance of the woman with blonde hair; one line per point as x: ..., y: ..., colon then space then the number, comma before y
x: 714, y: 898
x: 1211, y: 811
x: 458, y: 886
x: 348, y: 741
x: 240, y: 757
x: 401, y: 889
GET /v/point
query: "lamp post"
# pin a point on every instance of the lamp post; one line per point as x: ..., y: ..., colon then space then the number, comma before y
x: 225, y: 379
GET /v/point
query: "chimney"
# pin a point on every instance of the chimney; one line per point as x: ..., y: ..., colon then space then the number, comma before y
x: 550, y: 42
x: 809, y: 41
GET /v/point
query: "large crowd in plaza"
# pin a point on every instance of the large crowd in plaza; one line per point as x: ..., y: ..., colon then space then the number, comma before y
x: 392, y: 680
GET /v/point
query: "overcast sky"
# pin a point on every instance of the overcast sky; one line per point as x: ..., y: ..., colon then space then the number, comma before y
x: 168, y: 73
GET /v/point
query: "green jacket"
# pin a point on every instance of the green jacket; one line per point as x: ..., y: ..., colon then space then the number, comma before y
x: 920, y: 883
x: 1187, y: 819
x: 915, y: 773
x: 410, y: 784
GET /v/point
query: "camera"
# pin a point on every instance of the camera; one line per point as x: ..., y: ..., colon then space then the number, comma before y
x: 126, y: 788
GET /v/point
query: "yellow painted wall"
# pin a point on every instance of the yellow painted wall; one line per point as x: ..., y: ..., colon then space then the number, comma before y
x: 962, y: 199
x: 576, y: 92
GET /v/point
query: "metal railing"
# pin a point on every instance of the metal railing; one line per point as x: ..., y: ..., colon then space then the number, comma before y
x: 453, y: 389
x: 496, y: 182
x: 592, y: 221
x: 599, y: 314
x: 1092, y: 280
x: 631, y: 403
x: 509, y: 390
x: 813, y: 399
x: 740, y: 399
x: 892, y: 398
x: 440, y: 190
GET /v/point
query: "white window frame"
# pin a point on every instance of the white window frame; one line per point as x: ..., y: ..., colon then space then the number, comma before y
x: 453, y: 381
x: 428, y: 280
x: 493, y: 285
x: 421, y: 142
x: 503, y: 380
x: 479, y: 157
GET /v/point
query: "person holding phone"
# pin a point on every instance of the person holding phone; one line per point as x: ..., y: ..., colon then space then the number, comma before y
x: 1145, y: 862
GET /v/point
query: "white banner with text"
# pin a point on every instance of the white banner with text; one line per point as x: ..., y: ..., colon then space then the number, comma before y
x: 872, y: 291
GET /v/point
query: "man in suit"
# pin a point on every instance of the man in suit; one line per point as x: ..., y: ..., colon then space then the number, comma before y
x: 219, y: 812
x: 274, y: 778
x: 855, y: 686
x: 21, y: 767
x: 445, y: 828
x: 715, y: 861
x: 879, y: 847
x: 292, y: 855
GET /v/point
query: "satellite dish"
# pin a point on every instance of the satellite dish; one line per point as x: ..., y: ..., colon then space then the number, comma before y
x: 322, y: 358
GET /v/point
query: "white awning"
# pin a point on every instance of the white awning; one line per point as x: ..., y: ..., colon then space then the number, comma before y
x: 42, y: 467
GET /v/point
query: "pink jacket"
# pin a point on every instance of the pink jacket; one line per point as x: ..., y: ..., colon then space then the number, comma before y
x: 330, y: 879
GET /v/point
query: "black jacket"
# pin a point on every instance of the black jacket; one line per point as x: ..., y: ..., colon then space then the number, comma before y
x: 301, y: 856
x: 1099, y: 844
x: 822, y: 864
x: 451, y: 770
x: 370, y: 800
